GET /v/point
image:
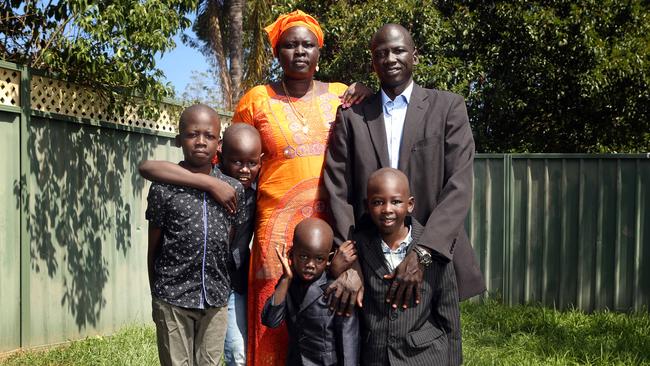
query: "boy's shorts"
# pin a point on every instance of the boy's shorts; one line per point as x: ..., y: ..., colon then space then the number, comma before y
x: 189, y: 336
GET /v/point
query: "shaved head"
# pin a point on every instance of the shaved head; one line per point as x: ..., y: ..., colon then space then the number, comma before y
x: 311, y: 231
x: 197, y: 110
x: 240, y: 134
x: 381, y: 176
x: 388, y: 31
x: 389, y: 203
x: 393, y: 58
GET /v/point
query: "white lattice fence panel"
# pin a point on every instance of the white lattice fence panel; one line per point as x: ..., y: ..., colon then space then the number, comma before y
x: 9, y: 87
x: 56, y: 96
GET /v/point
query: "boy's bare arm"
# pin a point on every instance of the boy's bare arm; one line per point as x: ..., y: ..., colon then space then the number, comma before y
x: 155, y: 237
x: 167, y: 172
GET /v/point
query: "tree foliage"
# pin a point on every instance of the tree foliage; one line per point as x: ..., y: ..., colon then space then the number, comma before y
x: 106, y: 45
x: 539, y: 76
x: 559, y: 76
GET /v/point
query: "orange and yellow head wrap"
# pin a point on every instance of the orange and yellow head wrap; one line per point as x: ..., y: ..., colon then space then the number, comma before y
x: 293, y: 19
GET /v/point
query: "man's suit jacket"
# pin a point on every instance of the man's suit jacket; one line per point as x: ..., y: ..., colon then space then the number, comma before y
x: 436, y: 154
x: 317, y: 336
x: 426, y: 334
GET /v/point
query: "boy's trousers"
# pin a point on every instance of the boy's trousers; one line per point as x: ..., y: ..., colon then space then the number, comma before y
x: 192, y: 337
x: 235, y: 344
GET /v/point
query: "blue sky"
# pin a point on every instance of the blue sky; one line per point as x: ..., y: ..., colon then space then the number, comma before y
x: 179, y: 63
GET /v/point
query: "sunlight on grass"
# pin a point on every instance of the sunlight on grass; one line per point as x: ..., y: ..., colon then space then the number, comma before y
x: 132, y: 345
x: 493, y: 334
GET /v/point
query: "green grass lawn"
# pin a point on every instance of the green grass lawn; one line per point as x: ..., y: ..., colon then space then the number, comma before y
x: 493, y: 334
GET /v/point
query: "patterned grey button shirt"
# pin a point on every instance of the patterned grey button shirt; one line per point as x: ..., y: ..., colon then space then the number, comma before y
x: 191, y: 267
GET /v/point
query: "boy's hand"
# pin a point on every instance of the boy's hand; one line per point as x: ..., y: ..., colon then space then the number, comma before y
x: 343, y: 258
x: 224, y: 194
x: 407, y: 279
x: 354, y: 94
x: 345, y: 292
x: 286, y: 266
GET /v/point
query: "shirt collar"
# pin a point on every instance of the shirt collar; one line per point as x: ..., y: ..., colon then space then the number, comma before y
x: 402, y: 246
x: 406, y: 93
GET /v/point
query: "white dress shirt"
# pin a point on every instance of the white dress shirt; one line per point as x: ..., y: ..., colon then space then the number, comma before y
x: 394, y: 116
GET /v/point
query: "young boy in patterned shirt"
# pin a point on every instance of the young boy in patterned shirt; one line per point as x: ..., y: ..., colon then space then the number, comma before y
x: 188, y: 256
x: 240, y: 158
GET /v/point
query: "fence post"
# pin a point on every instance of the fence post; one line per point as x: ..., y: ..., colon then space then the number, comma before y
x: 25, y: 239
x: 507, y: 224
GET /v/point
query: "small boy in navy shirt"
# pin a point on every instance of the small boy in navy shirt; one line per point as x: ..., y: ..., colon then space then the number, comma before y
x: 240, y: 158
x: 317, y: 336
x: 188, y: 256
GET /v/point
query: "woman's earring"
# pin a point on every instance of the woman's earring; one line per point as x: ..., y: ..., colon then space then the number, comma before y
x: 317, y: 68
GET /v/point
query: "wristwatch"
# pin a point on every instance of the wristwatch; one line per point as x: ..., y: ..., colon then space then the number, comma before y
x: 424, y: 257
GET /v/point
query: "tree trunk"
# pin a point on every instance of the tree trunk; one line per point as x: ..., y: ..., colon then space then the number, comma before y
x: 216, y: 43
x: 236, y: 46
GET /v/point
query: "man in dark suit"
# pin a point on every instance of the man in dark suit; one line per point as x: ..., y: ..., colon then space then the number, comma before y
x: 425, y: 133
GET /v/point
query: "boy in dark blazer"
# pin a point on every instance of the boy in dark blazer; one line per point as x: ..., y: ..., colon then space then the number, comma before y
x: 427, y: 334
x: 316, y: 335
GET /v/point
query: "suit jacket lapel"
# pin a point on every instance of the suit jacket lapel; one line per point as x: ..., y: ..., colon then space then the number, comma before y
x: 375, y: 256
x: 413, y: 125
x: 377, y: 128
x: 314, y: 292
x: 416, y: 232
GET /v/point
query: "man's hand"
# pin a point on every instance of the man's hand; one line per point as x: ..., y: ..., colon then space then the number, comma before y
x: 343, y: 259
x: 407, y: 280
x: 224, y: 194
x: 345, y: 291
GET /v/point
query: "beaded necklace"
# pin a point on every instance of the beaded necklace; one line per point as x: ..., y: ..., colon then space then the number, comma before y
x: 295, y: 111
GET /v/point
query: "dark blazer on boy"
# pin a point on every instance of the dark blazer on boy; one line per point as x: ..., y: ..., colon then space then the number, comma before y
x: 436, y: 153
x: 317, y: 336
x: 239, y: 246
x: 426, y: 334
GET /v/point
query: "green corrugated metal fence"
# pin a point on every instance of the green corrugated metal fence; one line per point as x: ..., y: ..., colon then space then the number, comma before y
x: 564, y: 230
x: 559, y: 229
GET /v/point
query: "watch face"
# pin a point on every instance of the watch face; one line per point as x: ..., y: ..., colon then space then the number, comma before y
x: 423, y: 256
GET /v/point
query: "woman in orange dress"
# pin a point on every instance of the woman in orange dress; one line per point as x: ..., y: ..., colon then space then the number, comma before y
x: 294, y: 117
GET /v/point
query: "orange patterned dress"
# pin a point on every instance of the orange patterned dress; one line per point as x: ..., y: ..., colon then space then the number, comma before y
x: 294, y: 138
